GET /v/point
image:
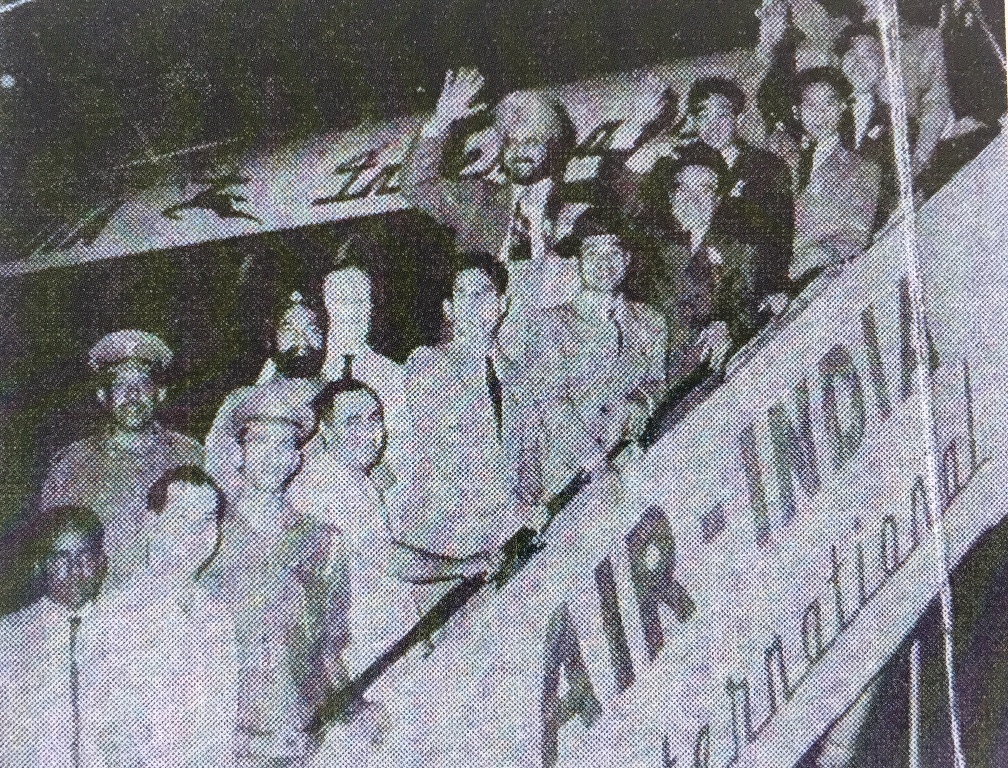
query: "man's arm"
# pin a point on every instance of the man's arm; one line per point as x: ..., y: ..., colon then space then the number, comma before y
x: 781, y: 223
x: 735, y: 298
x: 421, y: 182
x: 839, y: 228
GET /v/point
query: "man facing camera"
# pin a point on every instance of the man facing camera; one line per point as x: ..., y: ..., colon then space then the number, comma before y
x: 348, y: 296
x: 519, y: 219
x: 111, y: 472
x: 755, y: 205
x: 598, y: 337
x: 837, y: 191
x: 696, y: 272
x: 298, y: 351
x: 49, y: 677
x: 467, y: 409
x: 273, y: 570
x: 336, y: 490
x: 171, y: 647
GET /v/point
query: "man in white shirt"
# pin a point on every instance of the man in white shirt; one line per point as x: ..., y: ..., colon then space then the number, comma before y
x: 50, y: 715
x: 347, y: 293
x: 837, y: 191
x: 336, y: 490
x: 171, y: 649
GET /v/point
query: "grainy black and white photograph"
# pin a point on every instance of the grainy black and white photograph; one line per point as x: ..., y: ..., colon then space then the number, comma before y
x: 503, y: 384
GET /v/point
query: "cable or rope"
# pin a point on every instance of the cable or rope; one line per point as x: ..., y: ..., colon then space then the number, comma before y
x: 913, y: 758
x: 888, y: 22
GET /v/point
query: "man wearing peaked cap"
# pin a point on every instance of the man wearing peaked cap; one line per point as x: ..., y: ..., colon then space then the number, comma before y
x: 129, y: 347
x: 288, y: 401
x: 269, y: 428
x: 112, y: 471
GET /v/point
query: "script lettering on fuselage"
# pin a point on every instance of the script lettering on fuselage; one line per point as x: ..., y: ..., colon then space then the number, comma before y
x: 854, y: 401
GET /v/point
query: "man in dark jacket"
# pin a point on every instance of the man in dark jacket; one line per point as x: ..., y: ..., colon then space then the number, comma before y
x: 696, y: 271
x: 757, y: 205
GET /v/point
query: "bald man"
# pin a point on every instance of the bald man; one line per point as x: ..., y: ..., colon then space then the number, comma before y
x: 348, y: 302
x: 517, y: 219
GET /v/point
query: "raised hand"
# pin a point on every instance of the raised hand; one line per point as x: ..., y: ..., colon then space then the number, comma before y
x: 714, y: 344
x: 457, y: 94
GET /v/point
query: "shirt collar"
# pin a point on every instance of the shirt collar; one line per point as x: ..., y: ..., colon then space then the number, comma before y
x: 731, y: 154
x: 155, y: 431
x: 268, y: 373
x: 533, y: 198
x: 825, y: 148
x: 57, y: 613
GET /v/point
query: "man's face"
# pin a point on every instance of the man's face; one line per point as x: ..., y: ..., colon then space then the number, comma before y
x: 821, y: 110
x: 476, y: 307
x: 357, y: 428
x: 525, y: 155
x: 715, y: 122
x: 695, y: 196
x: 300, y: 344
x: 603, y: 263
x: 74, y: 569
x: 131, y: 397
x: 862, y: 64
x: 348, y: 303
x: 270, y: 454
x: 185, y: 532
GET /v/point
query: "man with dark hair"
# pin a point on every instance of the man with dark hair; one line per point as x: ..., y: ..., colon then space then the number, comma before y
x: 696, y: 272
x: 298, y: 349
x: 837, y: 191
x: 169, y: 656
x: 600, y: 340
x: 111, y: 472
x: 755, y: 204
x: 467, y: 416
x: 867, y: 127
x: 757, y: 207
x: 51, y: 677
x: 336, y: 480
x: 336, y: 490
x: 189, y: 488
x: 518, y: 221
